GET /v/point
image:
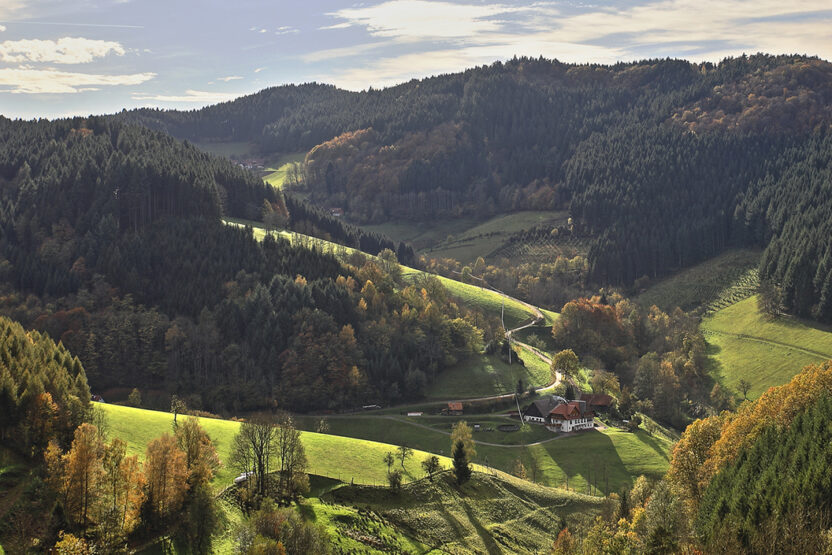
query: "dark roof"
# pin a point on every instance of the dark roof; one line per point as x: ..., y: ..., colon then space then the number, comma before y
x: 597, y: 399
x: 542, y: 407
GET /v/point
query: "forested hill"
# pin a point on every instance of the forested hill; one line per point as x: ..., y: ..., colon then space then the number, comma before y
x: 662, y: 163
x: 111, y: 242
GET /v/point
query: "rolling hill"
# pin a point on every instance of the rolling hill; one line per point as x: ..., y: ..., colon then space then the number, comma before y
x: 747, y: 344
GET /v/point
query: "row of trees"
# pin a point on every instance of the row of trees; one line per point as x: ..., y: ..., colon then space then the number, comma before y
x: 106, y: 496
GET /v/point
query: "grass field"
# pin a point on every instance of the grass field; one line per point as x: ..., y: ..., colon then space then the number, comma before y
x: 423, y: 235
x: 487, y: 237
x: 228, y: 149
x: 480, y: 298
x: 489, y: 514
x: 483, y: 375
x: 465, y: 239
x: 337, y: 457
x: 623, y: 455
x: 744, y: 343
x: 718, y: 282
x: 278, y: 171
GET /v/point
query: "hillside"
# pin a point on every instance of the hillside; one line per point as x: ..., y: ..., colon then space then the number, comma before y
x: 111, y: 241
x: 747, y: 344
x: 491, y: 514
x: 708, y: 156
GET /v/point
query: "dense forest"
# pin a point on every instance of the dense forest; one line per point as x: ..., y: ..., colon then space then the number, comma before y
x: 663, y: 163
x: 751, y: 481
x: 112, y: 243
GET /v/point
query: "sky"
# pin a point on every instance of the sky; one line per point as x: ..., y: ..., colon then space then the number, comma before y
x: 78, y: 57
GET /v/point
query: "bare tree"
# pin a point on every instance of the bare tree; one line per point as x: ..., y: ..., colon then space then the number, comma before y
x: 291, y: 457
x: 253, y: 449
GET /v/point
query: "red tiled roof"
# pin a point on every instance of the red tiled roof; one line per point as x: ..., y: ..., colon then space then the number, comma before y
x: 454, y: 406
x: 564, y: 410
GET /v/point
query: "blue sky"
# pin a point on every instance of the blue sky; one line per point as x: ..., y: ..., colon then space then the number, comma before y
x: 61, y: 58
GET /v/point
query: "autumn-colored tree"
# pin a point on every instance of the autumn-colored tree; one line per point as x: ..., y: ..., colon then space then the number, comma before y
x: 778, y: 405
x: 565, y: 544
x: 42, y: 422
x: 71, y: 545
x: 166, y: 469
x: 687, y: 465
x: 122, y: 492
x: 200, y: 454
x: 461, y: 432
x: 77, y: 475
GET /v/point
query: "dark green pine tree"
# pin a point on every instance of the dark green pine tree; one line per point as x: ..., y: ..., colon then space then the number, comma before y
x: 462, y: 469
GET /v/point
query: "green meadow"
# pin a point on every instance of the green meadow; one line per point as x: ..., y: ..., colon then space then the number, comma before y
x: 278, y: 170
x: 746, y: 344
x: 482, y: 375
x: 618, y: 455
x: 342, y: 458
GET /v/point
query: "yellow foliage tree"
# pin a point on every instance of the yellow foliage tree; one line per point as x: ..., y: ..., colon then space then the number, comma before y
x: 166, y: 469
x: 77, y: 475
x: 200, y: 456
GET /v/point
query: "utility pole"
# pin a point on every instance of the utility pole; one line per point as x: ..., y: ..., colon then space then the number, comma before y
x: 503, y: 322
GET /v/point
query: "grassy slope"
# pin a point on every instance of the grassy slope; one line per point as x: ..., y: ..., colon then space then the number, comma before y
x: 578, y: 456
x: 729, y: 277
x: 279, y: 170
x: 483, y: 375
x: 487, y: 515
x: 332, y: 456
x: 745, y: 343
x: 486, y: 237
x: 227, y: 149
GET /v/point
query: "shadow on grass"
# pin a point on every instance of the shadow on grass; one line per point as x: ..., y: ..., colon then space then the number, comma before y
x: 652, y: 443
x: 590, y: 456
x: 487, y: 540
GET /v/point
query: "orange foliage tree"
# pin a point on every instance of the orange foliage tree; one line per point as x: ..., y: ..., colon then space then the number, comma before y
x: 166, y: 468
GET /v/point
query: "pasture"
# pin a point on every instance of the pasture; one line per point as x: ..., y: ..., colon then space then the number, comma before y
x: 277, y: 171
x: 482, y: 375
x: 617, y: 456
x: 744, y: 343
x: 337, y: 457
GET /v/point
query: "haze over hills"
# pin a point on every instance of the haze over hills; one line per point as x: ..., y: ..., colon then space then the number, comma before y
x: 661, y: 163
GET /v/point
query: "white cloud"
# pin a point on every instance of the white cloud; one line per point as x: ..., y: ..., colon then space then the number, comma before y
x: 259, y: 69
x: 2, y: 28
x: 454, y: 36
x: 229, y: 78
x: 205, y: 97
x: 286, y: 30
x: 424, y: 19
x: 24, y: 79
x: 66, y: 50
